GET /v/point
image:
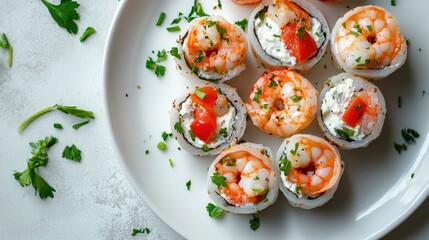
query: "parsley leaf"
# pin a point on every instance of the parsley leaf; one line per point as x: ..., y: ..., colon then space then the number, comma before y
x: 214, y: 211
x: 160, y: 19
x: 242, y: 24
x: 77, y: 126
x: 218, y: 180
x: 301, y: 32
x: 165, y: 135
x: 39, y: 158
x: 254, y: 223
x: 400, y: 147
x: 88, y: 32
x: 219, y: 4
x: 58, y: 126
x: 72, y: 110
x: 64, y: 14
x: 4, y: 43
x: 178, y: 127
x: 188, y: 185
x: 284, y: 165
x: 141, y: 230
x: 175, y: 52
x: 72, y: 153
x: 256, y: 96
x: 295, y: 98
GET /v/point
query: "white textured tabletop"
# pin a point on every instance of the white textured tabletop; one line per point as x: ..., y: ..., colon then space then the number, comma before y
x: 93, y: 199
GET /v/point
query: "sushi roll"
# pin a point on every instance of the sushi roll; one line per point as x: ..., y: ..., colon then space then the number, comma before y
x: 367, y: 42
x: 288, y: 34
x: 352, y: 111
x: 211, y: 49
x: 243, y: 179
x: 208, y: 119
x: 282, y: 103
x: 310, y: 170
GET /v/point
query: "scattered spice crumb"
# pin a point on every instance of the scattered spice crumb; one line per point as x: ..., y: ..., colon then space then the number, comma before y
x: 139, y: 87
x: 126, y: 94
x: 412, y: 175
x: 324, y: 66
x: 178, y: 148
x: 147, y: 152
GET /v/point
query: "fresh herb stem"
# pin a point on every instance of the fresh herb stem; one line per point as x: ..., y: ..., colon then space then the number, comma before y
x: 32, y: 117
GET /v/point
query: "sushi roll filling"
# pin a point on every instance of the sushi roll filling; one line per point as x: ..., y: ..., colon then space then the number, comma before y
x: 347, y: 112
x: 207, y: 118
x: 292, y: 43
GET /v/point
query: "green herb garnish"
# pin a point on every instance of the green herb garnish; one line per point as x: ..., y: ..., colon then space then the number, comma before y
x: 200, y: 94
x: 400, y: 147
x: 173, y: 28
x: 295, y: 98
x: 191, y: 133
x: 58, y: 126
x: 161, y: 146
x: 218, y: 180
x: 293, y: 152
x: 64, y: 14
x: 345, y: 133
x: 369, y: 28
x: 301, y: 32
x: 214, y: 211
x: 242, y: 24
x: 171, y: 162
x: 88, y: 32
x: 188, y: 185
x: 254, y: 223
x: 77, y: 126
x: 284, y: 165
x: 4, y: 43
x: 256, y: 96
x: 219, y: 4
x: 72, y: 110
x: 160, y: 19
x: 39, y: 158
x: 72, y: 153
x: 175, y: 52
x: 205, y: 148
x: 178, y: 127
x: 297, y: 188
x: 141, y: 230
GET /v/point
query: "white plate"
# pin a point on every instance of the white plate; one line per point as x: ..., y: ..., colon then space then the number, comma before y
x: 376, y: 192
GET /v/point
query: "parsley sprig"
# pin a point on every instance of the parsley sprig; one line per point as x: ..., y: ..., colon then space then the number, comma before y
x: 72, y: 110
x: 4, y: 43
x: 254, y: 223
x: 218, y: 180
x: 155, y: 66
x: 88, y: 32
x: 39, y: 158
x: 72, y: 153
x: 64, y: 14
x: 214, y: 211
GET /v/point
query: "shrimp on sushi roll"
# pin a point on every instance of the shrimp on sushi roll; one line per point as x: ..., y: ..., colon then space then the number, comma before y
x: 352, y: 111
x: 288, y: 34
x: 367, y: 42
x: 282, y: 103
x: 243, y: 179
x: 310, y: 170
x: 211, y: 49
x: 247, y: 1
x: 208, y: 119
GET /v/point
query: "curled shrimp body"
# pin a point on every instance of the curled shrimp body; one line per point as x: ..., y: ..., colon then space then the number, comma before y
x: 282, y: 103
x: 368, y: 38
x: 309, y: 169
x: 243, y: 177
x: 247, y: 1
x: 214, y: 48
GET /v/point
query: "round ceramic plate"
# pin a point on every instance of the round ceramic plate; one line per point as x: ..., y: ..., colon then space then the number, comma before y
x: 377, y: 191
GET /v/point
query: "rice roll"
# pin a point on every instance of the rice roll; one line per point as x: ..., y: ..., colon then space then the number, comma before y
x: 282, y: 103
x: 367, y: 42
x: 211, y: 49
x: 243, y: 179
x: 208, y: 119
x: 352, y: 111
x: 289, y: 34
x: 310, y: 170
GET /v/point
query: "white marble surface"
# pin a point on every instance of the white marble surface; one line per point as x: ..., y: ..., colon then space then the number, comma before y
x: 93, y: 199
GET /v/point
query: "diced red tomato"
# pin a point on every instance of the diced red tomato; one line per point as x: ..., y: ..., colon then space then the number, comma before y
x: 204, y: 124
x: 301, y: 49
x: 354, y: 111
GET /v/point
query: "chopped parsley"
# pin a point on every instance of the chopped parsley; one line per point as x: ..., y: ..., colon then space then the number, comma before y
x: 409, y: 135
x: 222, y: 131
x: 369, y: 28
x: 200, y: 94
x: 358, y: 59
x: 194, y: 69
x: 178, y: 19
x: 219, y: 4
x: 242, y: 24
x: 297, y: 188
x: 218, y: 180
x: 231, y: 162
x: 214, y: 211
x: 284, y: 165
x: 254, y: 223
x: 276, y: 35
x: 88, y: 32
x: 161, y: 146
x: 196, y: 11
x: 77, y: 126
x: 393, y: 2
x: 301, y: 32
x: 294, y: 152
x: 256, y: 96
x: 295, y: 98
x: 200, y: 56
x: 188, y: 185
x: 165, y: 135
x: 4, y: 43
x: 160, y: 19
x: 272, y: 82
x: 221, y: 31
x: 173, y: 29
x: 58, y: 126
x: 344, y: 25
x: 72, y: 153
x: 178, y: 127
x: 141, y: 230
x: 400, y: 147
x: 154, y: 66
x: 205, y: 148
x: 147, y: 152
x: 412, y: 175
x: 264, y: 106
x: 345, y: 133
x: 191, y: 133
x: 171, y: 162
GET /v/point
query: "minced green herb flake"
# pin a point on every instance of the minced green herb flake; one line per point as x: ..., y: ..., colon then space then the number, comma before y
x: 178, y: 127
x: 242, y: 24
x: 200, y: 94
x: 58, y: 126
x: 161, y: 146
x: 173, y: 29
x: 188, y: 185
x: 400, y: 147
x: 160, y: 19
x: 214, y: 211
x: 254, y: 223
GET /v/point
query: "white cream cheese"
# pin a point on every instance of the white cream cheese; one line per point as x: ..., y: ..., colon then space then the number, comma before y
x: 334, y: 105
x: 269, y: 36
x: 226, y: 121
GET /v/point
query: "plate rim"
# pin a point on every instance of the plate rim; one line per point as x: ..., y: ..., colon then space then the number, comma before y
x: 119, y: 13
